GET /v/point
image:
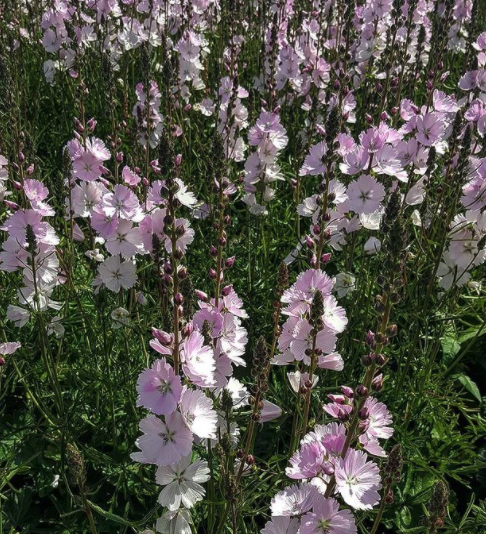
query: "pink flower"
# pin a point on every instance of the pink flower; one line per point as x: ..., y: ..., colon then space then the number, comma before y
x: 198, y: 360
x: 357, y: 480
x: 269, y: 412
x: 306, y: 285
x: 430, y: 128
x: 125, y: 240
x: 307, y: 461
x: 88, y: 160
x: 130, y: 177
x: 313, y: 165
x: 9, y: 347
x: 326, y: 518
x: 123, y: 203
x: 159, y: 388
x: 303, y: 340
x: 163, y: 443
x: 185, y: 235
x: 365, y: 195
x: 116, y: 274
x: 372, y: 140
x: 37, y: 193
x: 295, y: 500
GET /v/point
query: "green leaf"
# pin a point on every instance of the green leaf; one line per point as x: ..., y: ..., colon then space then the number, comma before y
x: 108, y: 515
x: 470, y: 386
x: 450, y: 348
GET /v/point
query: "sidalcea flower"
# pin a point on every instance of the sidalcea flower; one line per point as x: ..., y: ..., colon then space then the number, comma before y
x: 175, y: 522
x: 116, y: 274
x: 281, y: 525
x: 163, y: 443
x: 159, y: 388
x: 198, y: 360
x: 365, y: 195
x: 182, y: 482
x: 357, y: 480
x: 9, y: 347
x: 326, y: 518
x: 198, y: 413
x: 295, y: 500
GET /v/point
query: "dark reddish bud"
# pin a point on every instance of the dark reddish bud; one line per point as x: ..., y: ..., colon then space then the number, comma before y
x: 212, y: 274
x: 2, y: 361
x: 240, y: 454
x: 343, y: 415
x: 316, y: 229
x: 250, y: 460
x: 380, y: 359
x: 367, y: 359
x: 178, y: 299
x: 213, y: 251
x: 326, y: 258
x: 168, y: 268
x: 364, y: 413
x: 362, y: 391
x: 309, y: 242
x: 230, y: 262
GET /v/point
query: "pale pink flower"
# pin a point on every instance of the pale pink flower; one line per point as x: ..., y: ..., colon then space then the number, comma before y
x: 281, y: 525
x: 123, y: 203
x: 326, y: 518
x: 269, y: 412
x: 130, y: 177
x: 295, y: 500
x: 313, y: 163
x: 185, y: 235
x: 365, y: 195
x: 9, y: 347
x: 159, y: 388
x: 163, y: 443
x: 198, y: 360
x: 116, y: 274
x: 357, y: 480
x: 125, y: 240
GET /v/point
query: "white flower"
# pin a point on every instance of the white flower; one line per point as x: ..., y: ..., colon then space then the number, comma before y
x: 55, y: 327
x: 344, y: 283
x: 121, y: 317
x: 174, y: 522
x: 182, y: 483
x: 372, y: 246
x: 197, y: 411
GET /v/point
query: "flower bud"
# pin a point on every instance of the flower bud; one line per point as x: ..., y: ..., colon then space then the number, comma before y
x: 377, y: 383
x: 204, y: 297
x: 230, y: 262
x: 163, y: 337
x: 362, y: 391
x: 364, y: 413
x: 347, y: 392
x: 326, y: 258
x: 227, y: 290
x: 2, y: 361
